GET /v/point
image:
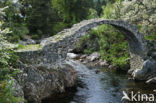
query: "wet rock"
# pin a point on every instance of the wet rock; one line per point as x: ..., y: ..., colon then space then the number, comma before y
x: 70, y: 50
x: 94, y: 56
x: 154, y: 55
x: 147, y: 72
x: 72, y: 55
x: 130, y: 71
x: 81, y: 60
x: 104, y: 63
x: 110, y: 66
x: 30, y: 41
x: 83, y: 56
x: 85, y: 61
x: 130, y: 79
x: 151, y: 81
x: 97, y: 71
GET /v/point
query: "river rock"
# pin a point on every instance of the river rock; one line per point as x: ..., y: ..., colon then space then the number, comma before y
x: 104, y: 63
x: 110, y: 66
x: 147, y: 72
x: 130, y: 71
x: 153, y: 55
x: 30, y: 41
x: 39, y: 82
x: 70, y: 50
x: 151, y: 81
x: 72, y: 55
x: 94, y: 56
x: 83, y: 56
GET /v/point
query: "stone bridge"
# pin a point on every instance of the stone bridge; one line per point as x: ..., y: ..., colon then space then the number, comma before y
x: 55, y: 48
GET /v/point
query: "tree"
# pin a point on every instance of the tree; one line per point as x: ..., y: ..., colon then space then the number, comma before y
x: 72, y: 10
x: 7, y: 60
x: 39, y: 15
x: 141, y: 13
x: 14, y: 20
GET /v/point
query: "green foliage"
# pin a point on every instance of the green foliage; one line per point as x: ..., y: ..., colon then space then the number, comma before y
x: 98, y: 4
x: 112, y: 10
x: 35, y: 36
x: 48, y: 17
x: 28, y: 47
x: 107, y: 11
x: 72, y: 10
x: 14, y: 21
x: 92, y: 14
x: 113, y: 46
x: 18, y: 32
x: 88, y: 43
x: 39, y: 16
x: 109, y: 42
x: 140, y: 13
x: 139, y: 26
x: 6, y: 93
x: 59, y: 26
x: 151, y: 37
x: 7, y: 62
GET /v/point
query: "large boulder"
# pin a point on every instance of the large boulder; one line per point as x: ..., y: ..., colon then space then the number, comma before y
x: 40, y: 82
x: 147, y: 72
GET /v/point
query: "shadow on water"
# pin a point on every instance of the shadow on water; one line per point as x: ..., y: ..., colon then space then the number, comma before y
x: 102, y: 87
x: 68, y: 96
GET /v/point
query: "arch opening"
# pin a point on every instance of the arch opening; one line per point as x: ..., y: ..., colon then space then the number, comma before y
x: 58, y: 46
x: 131, y: 33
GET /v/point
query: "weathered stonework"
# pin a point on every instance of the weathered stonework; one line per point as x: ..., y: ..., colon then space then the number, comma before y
x: 55, y: 48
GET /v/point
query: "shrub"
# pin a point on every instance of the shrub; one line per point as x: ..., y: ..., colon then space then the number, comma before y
x: 7, y: 71
x: 108, y: 41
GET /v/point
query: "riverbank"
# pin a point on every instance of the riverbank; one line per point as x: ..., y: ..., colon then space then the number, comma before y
x: 103, y: 87
x: 95, y: 60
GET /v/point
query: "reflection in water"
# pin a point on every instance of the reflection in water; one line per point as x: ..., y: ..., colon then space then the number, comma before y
x: 104, y: 87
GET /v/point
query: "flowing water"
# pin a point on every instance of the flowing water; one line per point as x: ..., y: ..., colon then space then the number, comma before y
x: 102, y: 87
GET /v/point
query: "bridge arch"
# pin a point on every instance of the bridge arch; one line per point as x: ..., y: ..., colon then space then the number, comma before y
x: 56, y: 47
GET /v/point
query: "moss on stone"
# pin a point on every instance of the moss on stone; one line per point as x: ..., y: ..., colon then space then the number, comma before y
x: 32, y: 47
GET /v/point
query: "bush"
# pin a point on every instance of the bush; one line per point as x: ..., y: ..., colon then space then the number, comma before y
x: 14, y: 21
x: 92, y: 14
x: 141, y: 12
x: 113, y: 46
x: 151, y: 37
x: 88, y: 43
x: 7, y: 71
x: 108, y: 41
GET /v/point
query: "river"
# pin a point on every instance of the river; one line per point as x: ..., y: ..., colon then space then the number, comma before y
x: 102, y: 87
